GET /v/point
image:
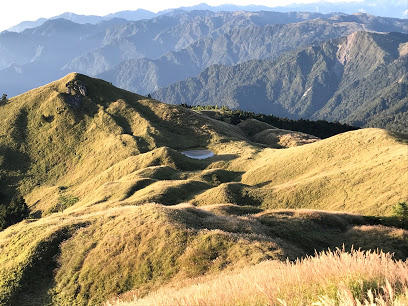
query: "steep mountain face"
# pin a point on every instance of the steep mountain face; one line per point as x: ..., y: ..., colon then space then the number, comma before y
x: 116, y: 205
x: 178, y: 34
x: 349, y: 80
x: 60, y: 46
x: 236, y: 46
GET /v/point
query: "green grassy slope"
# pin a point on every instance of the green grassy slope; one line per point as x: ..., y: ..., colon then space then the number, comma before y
x: 362, y: 171
x: 118, y: 200
x: 47, y: 141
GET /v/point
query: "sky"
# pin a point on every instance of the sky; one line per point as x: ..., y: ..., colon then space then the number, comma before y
x: 16, y: 11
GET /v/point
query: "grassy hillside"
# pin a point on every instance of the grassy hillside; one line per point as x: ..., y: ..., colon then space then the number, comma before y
x: 48, y: 141
x: 115, y: 205
x: 363, y: 171
x: 359, y: 171
x: 54, y: 150
x: 86, y: 256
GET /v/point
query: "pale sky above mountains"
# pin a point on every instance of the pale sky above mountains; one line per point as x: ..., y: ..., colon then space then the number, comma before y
x: 16, y: 11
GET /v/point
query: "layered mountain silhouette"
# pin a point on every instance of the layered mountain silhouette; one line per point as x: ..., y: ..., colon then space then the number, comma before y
x: 380, y: 8
x: 231, y: 48
x: 60, y: 46
x: 359, y: 79
x: 172, y: 34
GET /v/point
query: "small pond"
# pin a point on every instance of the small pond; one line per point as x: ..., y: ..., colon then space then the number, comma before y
x: 198, y: 154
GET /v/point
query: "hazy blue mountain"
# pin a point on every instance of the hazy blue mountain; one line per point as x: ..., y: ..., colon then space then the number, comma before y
x: 82, y: 19
x: 27, y: 25
x: 386, y: 8
x: 236, y: 46
x: 359, y: 79
x: 57, y: 42
x: 205, y: 24
x: 132, y: 15
x: 171, y: 32
x: 16, y: 48
x: 35, y: 56
x: 55, y: 39
x: 239, y: 45
x: 170, y: 47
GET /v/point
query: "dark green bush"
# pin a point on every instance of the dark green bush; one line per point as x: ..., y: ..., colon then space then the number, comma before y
x: 12, y: 211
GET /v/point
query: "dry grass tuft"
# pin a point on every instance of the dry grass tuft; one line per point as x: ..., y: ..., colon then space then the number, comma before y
x: 329, y: 278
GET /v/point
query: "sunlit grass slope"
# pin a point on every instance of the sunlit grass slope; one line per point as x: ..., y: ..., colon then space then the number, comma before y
x: 117, y: 207
x: 330, y: 278
x: 46, y: 141
x: 93, y: 153
x: 364, y: 171
x: 90, y: 255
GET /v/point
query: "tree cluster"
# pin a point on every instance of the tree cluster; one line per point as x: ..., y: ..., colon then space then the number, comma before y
x: 13, y: 209
x: 321, y: 128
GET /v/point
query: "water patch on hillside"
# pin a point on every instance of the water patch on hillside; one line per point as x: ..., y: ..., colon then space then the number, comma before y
x: 198, y: 154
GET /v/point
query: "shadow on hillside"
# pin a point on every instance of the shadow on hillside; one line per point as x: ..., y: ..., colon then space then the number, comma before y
x: 263, y: 184
x: 38, y: 277
x: 14, y: 160
x: 14, y: 166
x: 402, y: 138
x: 223, y: 157
x: 317, y: 232
x: 169, y: 128
x: 390, y: 221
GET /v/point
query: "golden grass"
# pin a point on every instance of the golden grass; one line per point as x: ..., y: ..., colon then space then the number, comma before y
x: 121, y: 150
x: 253, y: 126
x: 90, y: 254
x: 86, y: 256
x: 329, y: 278
x: 278, y: 138
x: 363, y: 171
x: 44, y: 141
x: 117, y: 134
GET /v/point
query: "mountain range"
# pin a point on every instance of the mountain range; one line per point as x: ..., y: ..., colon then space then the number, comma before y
x: 396, y: 9
x: 337, y: 80
x: 60, y: 45
x: 148, y: 54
